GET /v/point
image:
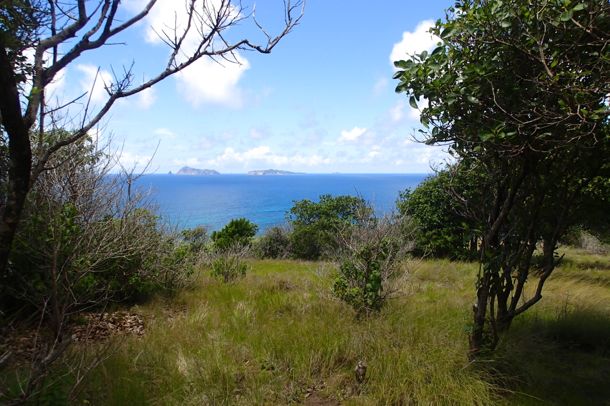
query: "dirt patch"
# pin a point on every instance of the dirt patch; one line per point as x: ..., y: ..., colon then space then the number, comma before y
x: 23, y: 344
x: 101, y: 326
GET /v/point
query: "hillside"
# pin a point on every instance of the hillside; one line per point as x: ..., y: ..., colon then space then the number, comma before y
x: 279, y: 337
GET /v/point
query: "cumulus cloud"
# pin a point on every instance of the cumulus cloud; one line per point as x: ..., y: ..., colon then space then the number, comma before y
x: 94, y: 81
x: 264, y: 155
x: 414, y: 42
x: 352, y: 135
x: 205, y: 81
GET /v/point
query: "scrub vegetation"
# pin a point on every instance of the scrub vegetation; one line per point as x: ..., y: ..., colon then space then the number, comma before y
x: 490, y: 284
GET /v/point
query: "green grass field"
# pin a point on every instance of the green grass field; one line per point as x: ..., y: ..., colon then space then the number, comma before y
x: 279, y: 337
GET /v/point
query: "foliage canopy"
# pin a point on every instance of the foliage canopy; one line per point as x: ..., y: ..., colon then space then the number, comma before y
x: 519, y: 90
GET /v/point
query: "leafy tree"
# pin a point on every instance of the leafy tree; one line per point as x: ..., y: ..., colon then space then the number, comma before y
x: 58, y: 33
x: 238, y: 232
x: 519, y: 90
x: 315, y: 224
x: 442, y: 228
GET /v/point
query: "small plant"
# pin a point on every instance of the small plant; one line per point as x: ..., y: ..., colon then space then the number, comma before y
x: 369, y: 257
x: 228, y: 264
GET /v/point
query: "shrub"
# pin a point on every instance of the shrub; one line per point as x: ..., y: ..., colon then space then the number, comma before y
x: 237, y: 232
x: 228, y: 264
x: 369, y: 257
x: 87, y: 238
x: 315, y: 224
x: 196, y: 238
x: 275, y: 243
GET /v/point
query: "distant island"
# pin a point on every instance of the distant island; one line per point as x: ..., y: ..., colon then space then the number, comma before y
x: 187, y: 170
x: 262, y: 172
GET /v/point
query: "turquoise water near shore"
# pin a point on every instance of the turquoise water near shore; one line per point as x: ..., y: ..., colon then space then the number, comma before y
x: 212, y: 201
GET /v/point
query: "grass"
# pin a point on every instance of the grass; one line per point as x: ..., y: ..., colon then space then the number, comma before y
x: 279, y: 337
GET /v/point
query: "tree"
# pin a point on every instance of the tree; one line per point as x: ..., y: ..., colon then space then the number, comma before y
x: 238, y: 232
x: 58, y: 33
x: 442, y: 227
x: 315, y: 224
x: 519, y: 91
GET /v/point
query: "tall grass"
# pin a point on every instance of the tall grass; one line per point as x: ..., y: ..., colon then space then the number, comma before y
x: 278, y: 337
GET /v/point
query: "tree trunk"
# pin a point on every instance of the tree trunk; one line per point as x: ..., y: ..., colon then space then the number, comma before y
x: 477, y: 335
x: 20, y: 159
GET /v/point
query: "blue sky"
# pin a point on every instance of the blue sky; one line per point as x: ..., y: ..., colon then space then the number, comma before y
x: 323, y: 101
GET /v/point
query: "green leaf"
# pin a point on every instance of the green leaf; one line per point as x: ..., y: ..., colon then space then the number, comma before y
x: 447, y: 32
x: 567, y: 16
x: 413, y: 102
x: 505, y: 24
x: 579, y: 6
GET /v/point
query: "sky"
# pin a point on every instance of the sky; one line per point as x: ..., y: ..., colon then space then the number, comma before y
x: 322, y: 102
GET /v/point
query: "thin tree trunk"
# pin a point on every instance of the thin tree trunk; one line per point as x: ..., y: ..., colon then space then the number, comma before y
x: 479, y: 310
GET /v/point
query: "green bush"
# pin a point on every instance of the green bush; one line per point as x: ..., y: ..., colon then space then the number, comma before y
x: 275, y: 243
x: 315, y: 224
x: 237, y: 232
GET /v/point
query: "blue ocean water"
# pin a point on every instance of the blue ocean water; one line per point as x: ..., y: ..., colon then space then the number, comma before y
x: 212, y: 201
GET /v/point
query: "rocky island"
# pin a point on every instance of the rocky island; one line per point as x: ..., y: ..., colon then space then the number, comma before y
x: 187, y: 170
x: 262, y: 172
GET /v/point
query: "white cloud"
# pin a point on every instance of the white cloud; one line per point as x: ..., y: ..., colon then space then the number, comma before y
x: 352, y: 135
x: 93, y: 81
x: 164, y: 132
x: 206, y: 80
x: 146, y: 98
x: 263, y: 155
x: 95, y: 134
x: 57, y: 85
x: 375, y: 151
x: 414, y: 42
x: 131, y: 161
x: 192, y: 162
x: 397, y: 111
x: 401, y: 110
x: 414, y: 114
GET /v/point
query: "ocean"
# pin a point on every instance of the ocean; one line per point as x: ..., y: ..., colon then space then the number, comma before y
x: 212, y: 201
